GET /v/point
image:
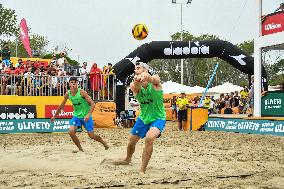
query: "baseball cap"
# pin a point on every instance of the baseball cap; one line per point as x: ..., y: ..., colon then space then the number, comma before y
x: 144, y: 65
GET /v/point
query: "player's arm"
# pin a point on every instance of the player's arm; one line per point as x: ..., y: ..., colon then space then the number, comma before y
x: 156, y: 81
x: 85, y: 95
x: 135, y: 85
x: 66, y: 96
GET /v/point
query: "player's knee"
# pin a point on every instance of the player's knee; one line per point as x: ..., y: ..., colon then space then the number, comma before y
x: 71, y: 132
x: 149, y: 140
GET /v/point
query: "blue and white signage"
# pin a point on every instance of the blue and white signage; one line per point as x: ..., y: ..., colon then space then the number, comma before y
x: 246, y: 126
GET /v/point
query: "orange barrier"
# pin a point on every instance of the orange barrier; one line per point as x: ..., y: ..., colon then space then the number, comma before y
x: 104, y: 115
x: 196, y: 117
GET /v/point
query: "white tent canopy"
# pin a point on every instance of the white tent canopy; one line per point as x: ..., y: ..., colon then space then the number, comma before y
x: 173, y: 87
x: 225, y: 88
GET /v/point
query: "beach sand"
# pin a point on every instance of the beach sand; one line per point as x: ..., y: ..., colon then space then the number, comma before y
x: 197, y: 159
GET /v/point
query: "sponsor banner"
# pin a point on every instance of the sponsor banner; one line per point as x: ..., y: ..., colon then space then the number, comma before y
x: 17, y: 112
x: 33, y: 125
x: 246, y: 126
x: 273, y: 104
x: 273, y: 23
x: 50, y: 110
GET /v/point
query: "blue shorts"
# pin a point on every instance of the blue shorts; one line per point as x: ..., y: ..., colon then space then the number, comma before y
x: 140, y: 128
x: 78, y: 122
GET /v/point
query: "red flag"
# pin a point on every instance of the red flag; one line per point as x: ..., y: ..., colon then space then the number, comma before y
x: 24, y: 34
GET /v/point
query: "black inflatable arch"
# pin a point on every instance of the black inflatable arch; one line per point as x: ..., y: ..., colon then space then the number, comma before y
x: 178, y: 50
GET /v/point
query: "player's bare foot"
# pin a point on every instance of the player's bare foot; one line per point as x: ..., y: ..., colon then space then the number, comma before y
x: 120, y: 162
x: 106, y: 147
x: 142, y: 174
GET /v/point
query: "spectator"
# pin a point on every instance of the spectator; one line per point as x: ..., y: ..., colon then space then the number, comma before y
x: 182, y: 103
x: 6, y: 53
x: 95, y: 80
x: 174, y: 107
x: 228, y: 109
x: 196, y: 101
x: 221, y: 102
x: 108, y: 80
x: 53, y: 82
x: 62, y: 62
x: 206, y: 103
x: 236, y: 99
x: 84, y: 73
x: 28, y: 82
x: 53, y: 60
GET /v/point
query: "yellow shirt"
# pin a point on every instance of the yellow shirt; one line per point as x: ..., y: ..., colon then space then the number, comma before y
x: 181, y: 103
x: 207, y: 103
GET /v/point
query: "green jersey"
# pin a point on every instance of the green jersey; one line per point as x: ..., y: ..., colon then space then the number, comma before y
x: 80, y: 105
x: 151, y: 104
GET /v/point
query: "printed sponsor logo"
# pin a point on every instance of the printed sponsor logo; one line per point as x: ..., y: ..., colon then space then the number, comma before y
x: 239, y: 125
x: 50, y: 111
x: 275, y: 103
x: 239, y: 58
x: 17, y: 112
x: 197, y: 49
x: 33, y: 125
x: 272, y: 26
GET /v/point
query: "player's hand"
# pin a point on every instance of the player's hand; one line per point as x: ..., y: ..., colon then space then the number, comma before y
x: 87, y: 117
x: 137, y: 78
x: 144, y: 77
x: 52, y: 119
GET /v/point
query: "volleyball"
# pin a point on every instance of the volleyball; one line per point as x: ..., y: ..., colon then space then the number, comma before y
x: 140, y: 31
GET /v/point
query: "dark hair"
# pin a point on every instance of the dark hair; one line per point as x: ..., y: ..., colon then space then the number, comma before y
x: 73, y: 79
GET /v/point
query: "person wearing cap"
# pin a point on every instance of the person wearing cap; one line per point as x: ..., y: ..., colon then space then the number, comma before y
x: 182, y: 103
x: 53, y: 60
x: 83, y: 107
x: 151, y: 121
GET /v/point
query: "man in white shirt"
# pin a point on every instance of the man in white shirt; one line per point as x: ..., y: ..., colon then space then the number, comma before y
x: 62, y: 62
x: 84, y: 73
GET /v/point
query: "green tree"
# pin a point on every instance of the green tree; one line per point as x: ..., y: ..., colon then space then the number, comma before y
x: 276, y: 73
x: 8, y: 22
x: 70, y: 61
x: 247, y: 46
x: 38, y: 44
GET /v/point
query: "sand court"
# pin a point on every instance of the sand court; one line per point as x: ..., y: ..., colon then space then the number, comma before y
x: 180, y: 160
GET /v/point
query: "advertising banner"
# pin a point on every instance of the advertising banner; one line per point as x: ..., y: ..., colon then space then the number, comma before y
x: 50, y: 110
x: 273, y: 23
x: 33, y: 125
x: 246, y: 126
x: 273, y: 104
x: 24, y: 35
x: 17, y: 112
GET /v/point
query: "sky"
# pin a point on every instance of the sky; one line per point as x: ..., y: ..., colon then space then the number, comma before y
x: 100, y: 30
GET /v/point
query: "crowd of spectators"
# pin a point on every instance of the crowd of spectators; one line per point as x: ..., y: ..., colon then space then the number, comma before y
x: 230, y: 103
x: 36, y: 78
